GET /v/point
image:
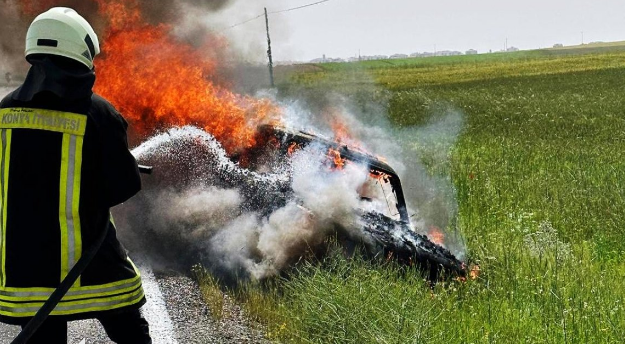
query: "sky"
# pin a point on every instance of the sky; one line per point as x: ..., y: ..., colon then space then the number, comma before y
x: 343, y: 28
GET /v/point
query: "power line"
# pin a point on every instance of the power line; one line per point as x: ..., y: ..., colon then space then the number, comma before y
x: 274, y: 12
x: 299, y: 7
x: 243, y: 22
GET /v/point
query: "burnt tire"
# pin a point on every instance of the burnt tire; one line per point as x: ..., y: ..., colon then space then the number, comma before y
x: 398, y: 241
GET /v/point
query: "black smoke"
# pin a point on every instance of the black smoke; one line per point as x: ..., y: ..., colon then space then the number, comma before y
x: 16, y: 16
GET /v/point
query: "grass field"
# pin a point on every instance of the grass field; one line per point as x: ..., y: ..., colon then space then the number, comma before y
x: 539, y: 172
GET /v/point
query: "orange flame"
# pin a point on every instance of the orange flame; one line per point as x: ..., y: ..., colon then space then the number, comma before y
x: 436, y: 235
x: 158, y: 82
x: 339, y: 162
x: 473, y: 273
x: 341, y: 131
x: 293, y: 147
x: 344, y: 135
x: 380, y: 176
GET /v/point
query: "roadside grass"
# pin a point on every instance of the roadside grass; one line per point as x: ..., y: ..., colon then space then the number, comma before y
x: 211, y: 291
x: 520, y: 298
x: 539, y: 173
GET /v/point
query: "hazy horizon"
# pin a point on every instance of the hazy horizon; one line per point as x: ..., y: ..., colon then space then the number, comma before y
x: 343, y: 28
x: 349, y: 28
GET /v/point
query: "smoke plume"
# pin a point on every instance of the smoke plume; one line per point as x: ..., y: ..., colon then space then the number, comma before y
x: 420, y: 154
x: 187, y: 16
x: 200, y: 206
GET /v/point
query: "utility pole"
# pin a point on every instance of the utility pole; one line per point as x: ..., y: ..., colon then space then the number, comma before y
x: 269, y: 49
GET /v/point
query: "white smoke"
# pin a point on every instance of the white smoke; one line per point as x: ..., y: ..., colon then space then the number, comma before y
x: 430, y: 192
x: 4, y: 91
x: 200, y: 212
x: 199, y: 206
x: 330, y: 195
x: 419, y: 154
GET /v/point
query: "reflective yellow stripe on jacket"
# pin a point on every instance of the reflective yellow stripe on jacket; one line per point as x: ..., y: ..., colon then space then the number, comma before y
x: 73, y: 127
x: 20, y: 302
x: 27, y: 309
x: 5, y: 154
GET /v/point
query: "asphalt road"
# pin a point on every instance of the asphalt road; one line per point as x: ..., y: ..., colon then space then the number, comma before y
x: 176, y: 314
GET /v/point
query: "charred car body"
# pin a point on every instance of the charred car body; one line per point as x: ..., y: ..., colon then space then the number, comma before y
x: 188, y: 158
x: 389, y: 229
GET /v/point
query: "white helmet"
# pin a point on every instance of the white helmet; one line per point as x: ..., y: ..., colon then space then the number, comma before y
x: 62, y: 31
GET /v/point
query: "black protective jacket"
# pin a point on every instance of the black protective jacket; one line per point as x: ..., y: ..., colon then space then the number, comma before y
x: 64, y: 161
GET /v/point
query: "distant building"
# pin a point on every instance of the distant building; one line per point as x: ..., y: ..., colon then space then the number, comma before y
x: 558, y: 45
x: 512, y: 49
x: 374, y: 57
x: 448, y: 53
x: 325, y: 59
x: 471, y: 52
x: 399, y: 56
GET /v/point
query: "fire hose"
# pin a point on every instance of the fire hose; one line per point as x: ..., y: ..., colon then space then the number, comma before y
x: 56, y: 296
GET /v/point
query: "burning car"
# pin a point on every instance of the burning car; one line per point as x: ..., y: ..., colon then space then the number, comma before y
x: 246, y: 213
x: 387, y: 225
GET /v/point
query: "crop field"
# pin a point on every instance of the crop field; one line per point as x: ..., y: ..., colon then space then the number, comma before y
x: 539, y: 175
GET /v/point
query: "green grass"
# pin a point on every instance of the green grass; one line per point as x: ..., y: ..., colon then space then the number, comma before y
x: 539, y: 171
x: 211, y: 292
x: 517, y: 299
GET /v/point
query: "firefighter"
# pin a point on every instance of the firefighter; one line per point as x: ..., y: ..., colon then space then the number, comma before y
x: 64, y: 162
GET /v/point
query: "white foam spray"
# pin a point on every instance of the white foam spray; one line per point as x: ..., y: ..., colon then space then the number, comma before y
x: 237, y: 221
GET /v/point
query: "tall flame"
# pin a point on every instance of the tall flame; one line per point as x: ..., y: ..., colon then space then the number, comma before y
x: 157, y: 81
x: 342, y: 132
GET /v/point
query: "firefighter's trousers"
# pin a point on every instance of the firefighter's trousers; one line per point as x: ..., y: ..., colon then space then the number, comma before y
x: 128, y: 327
